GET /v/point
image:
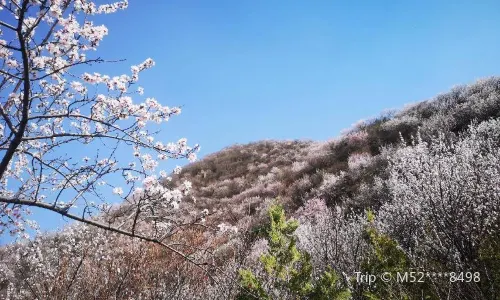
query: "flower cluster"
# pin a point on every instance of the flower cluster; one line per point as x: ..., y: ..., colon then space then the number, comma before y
x: 358, y: 160
x: 445, y: 194
x: 224, y: 228
x: 71, y: 106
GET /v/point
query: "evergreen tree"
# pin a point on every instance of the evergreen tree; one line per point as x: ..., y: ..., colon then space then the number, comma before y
x: 288, y: 271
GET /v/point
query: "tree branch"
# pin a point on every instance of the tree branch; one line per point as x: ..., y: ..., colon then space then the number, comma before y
x: 8, y: 26
x: 26, y: 95
x: 7, y: 120
x: 64, y: 212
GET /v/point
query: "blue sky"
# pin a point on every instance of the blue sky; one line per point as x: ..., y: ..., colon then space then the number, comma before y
x: 253, y: 70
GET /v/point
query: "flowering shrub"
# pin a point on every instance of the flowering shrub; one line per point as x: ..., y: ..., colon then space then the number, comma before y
x: 83, y: 262
x: 330, y: 180
x: 358, y: 160
x: 333, y: 238
x: 446, y: 200
x: 298, y: 166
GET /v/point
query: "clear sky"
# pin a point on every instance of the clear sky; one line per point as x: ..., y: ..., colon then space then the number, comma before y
x: 251, y: 70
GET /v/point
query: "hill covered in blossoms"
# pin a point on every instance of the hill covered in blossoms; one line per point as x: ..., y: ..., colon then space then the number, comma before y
x: 412, y: 190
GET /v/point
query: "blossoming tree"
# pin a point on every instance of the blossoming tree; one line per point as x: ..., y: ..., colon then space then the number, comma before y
x: 51, y: 104
x: 444, y: 209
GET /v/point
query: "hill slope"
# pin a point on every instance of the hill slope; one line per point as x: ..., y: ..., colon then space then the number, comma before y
x: 239, y: 177
x: 412, y: 187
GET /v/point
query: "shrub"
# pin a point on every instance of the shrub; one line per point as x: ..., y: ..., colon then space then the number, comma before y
x: 445, y: 204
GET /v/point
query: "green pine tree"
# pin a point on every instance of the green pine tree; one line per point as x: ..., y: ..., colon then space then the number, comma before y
x: 290, y: 269
x: 387, y: 256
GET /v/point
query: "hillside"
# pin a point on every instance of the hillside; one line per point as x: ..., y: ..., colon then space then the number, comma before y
x: 412, y: 168
x: 240, y: 177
